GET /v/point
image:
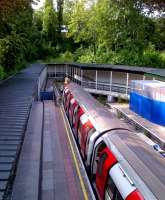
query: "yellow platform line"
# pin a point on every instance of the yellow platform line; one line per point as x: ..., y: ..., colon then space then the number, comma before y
x: 75, y: 160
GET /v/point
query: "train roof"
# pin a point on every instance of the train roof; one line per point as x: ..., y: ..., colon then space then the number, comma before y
x: 97, y: 113
x: 148, y: 164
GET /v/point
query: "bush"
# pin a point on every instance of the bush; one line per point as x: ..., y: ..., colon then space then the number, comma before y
x: 152, y: 58
x: 67, y: 56
x: 2, y: 74
x: 11, y: 51
x: 84, y: 56
x: 148, y: 58
x: 61, y: 58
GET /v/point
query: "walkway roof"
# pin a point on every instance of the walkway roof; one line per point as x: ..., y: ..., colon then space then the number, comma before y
x: 122, y: 68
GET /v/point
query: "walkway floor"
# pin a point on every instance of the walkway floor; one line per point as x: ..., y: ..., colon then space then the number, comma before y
x: 157, y: 131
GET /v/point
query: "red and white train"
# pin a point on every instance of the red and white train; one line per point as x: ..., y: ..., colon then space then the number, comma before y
x: 121, y: 165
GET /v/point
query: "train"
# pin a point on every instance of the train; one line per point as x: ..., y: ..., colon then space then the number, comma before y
x: 120, y: 164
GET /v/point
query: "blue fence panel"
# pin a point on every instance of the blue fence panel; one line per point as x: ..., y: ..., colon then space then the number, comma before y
x: 158, y: 112
x: 148, y: 108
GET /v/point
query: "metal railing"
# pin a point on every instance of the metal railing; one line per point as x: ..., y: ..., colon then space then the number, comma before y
x: 118, y: 88
x: 99, y: 86
x: 41, y: 80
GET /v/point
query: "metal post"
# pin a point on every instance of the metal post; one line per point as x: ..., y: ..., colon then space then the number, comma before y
x: 66, y: 72
x: 74, y: 72
x: 38, y: 88
x: 144, y: 77
x: 127, y: 83
x: 69, y: 69
x: 81, y: 77
x: 55, y: 71
x: 96, y: 79
x: 111, y: 76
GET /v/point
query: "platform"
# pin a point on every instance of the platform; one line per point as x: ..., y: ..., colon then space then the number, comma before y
x: 156, y: 132
x: 53, y: 170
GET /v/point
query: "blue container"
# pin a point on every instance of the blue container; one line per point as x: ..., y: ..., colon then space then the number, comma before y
x: 148, y: 108
x: 46, y: 96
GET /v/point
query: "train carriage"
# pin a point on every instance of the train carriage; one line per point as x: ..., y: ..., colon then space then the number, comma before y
x: 122, y: 166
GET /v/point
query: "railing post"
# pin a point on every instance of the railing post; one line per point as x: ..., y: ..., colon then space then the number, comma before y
x: 81, y: 77
x: 66, y: 70
x: 144, y: 77
x: 127, y: 83
x: 73, y: 74
x: 96, y: 79
x: 39, y: 88
x: 55, y: 71
x: 111, y: 81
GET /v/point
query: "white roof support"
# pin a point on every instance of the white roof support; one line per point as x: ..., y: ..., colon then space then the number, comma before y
x: 96, y: 78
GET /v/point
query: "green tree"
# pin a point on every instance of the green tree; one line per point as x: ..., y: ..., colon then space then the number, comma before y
x: 15, y: 28
x: 49, y: 23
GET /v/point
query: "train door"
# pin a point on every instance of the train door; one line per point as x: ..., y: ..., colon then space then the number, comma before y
x: 69, y: 97
x: 65, y: 93
x: 71, y: 101
x: 66, y: 99
x: 111, y: 191
x: 81, y: 126
x: 92, y: 137
x: 99, y: 146
x: 106, y: 161
x: 75, y: 110
x: 88, y: 129
x: 71, y: 110
x: 77, y: 116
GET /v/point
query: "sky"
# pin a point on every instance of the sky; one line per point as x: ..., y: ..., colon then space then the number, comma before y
x: 40, y: 4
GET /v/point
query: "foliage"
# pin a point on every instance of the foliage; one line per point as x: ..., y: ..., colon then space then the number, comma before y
x: 11, y: 51
x: 99, y: 31
x: 2, y: 74
x: 66, y: 57
x: 49, y: 28
x: 26, y: 35
x: 118, y: 32
x: 15, y: 25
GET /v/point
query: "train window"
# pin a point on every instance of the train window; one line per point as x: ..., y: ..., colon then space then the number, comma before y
x: 74, y: 114
x: 101, y: 162
x: 68, y: 97
x: 90, y: 133
x: 112, y: 192
x: 110, y: 189
x: 98, y: 150
x: 70, y: 103
x: 80, y: 126
x: 118, y: 196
